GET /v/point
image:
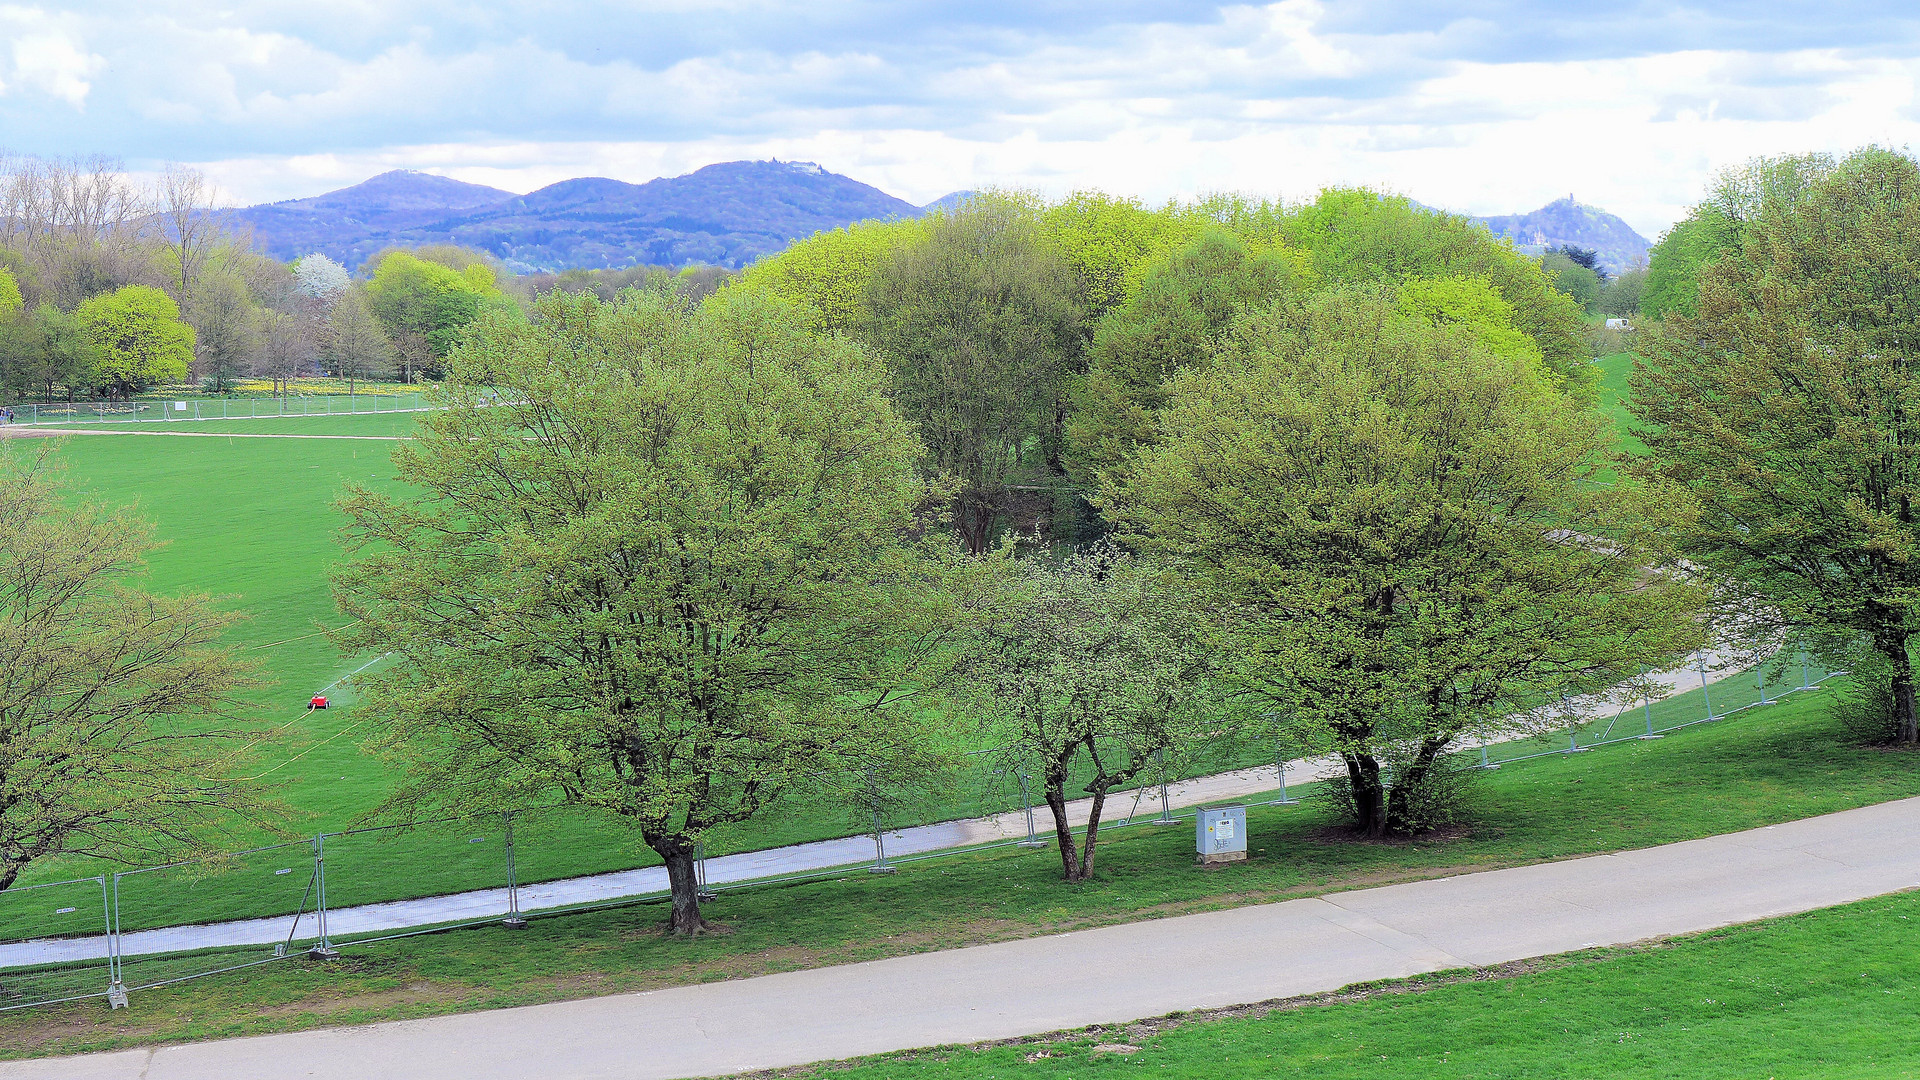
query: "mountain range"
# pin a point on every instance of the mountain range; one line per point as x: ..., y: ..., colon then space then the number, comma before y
x: 727, y: 215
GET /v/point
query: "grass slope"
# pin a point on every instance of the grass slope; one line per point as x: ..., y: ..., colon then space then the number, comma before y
x: 1768, y: 765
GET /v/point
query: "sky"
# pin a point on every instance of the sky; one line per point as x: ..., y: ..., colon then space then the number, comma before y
x: 1481, y: 107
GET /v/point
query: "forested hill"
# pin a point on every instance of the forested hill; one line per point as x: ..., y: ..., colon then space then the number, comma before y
x: 1564, y: 221
x: 726, y: 214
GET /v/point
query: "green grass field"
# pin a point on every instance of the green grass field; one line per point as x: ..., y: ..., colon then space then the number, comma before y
x: 1771, y: 764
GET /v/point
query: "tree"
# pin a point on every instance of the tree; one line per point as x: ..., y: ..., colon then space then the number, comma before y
x: 135, y: 339
x: 1621, y: 297
x: 411, y: 295
x: 826, y: 275
x: 191, y: 225
x: 1091, y: 669
x: 661, y: 574
x: 1788, y: 405
x: 1354, y: 236
x: 287, y: 349
x: 226, y: 330
x: 355, y: 341
x: 1398, y: 528
x: 979, y: 322
x: 1573, y: 277
x: 320, y: 279
x: 1185, y: 302
x: 120, y: 711
x: 1714, y: 226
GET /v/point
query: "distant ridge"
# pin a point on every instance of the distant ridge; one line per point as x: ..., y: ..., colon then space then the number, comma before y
x: 948, y: 201
x: 1565, y: 221
x: 727, y: 214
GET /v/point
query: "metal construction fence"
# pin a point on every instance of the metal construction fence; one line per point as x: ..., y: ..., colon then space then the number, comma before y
x: 143, y: 411
x: 123, y: 932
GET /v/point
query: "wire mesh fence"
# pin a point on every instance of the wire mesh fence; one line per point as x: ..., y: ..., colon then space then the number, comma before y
x: 70, y: 920
x: 141, y: 411
x: 1649, y: 719
x: 139, y: 929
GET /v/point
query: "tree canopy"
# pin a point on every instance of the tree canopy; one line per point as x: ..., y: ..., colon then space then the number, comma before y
x: 656, y: 567
x: 122, y: 712
x: 1398, y: 528
x: 1786, y: 404
x: 135, y: 338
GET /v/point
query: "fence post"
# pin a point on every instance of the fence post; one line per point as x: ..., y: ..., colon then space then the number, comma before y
x: 1280, y: 766
x: 700, y: 890
x: 1704, y: 692
x: 116, y: 990
x: 1760, y: 680
x: 1804, y: 685
x: 1166, y: 807
x: 1026, y: 800
x: 513, y: 921
x: 322, y: 949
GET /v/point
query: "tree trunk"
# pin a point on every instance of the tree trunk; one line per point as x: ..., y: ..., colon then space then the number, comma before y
x: 1056, y: 796
x: 1408, y: 781
x: 9, y: 873
x: 1893, y: 646
x: 1093, y: 831
x: 685, y: 883
x: 973, y: 517
x: 1369, y: 798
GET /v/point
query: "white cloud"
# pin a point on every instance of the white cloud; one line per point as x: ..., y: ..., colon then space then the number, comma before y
x: 1488, y: 109
x: 48, y: 55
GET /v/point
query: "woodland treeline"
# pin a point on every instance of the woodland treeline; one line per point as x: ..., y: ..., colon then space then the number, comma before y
x: 109, y: 287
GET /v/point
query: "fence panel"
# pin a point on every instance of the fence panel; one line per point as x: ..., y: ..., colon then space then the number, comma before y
x: 54, y: 943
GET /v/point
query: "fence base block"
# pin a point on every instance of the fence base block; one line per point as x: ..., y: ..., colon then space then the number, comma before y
x: 323, y: 952
x: 514, y: 922
x: 1031, y: 843
x: 116, y: 995
x: 883, y: 869
x: 1649, y: 736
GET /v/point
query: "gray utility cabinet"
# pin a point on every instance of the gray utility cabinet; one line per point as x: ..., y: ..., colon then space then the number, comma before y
x: 1220, y: 834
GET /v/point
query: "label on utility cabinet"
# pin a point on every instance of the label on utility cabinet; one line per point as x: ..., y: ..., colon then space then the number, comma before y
x: 1223, y: 829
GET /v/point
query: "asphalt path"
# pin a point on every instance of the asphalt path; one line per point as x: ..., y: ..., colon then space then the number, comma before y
x: 815, y: 857
x: 1105, y: 976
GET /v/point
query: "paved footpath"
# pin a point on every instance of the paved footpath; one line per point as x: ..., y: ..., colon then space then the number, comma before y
x: 1109, y: 975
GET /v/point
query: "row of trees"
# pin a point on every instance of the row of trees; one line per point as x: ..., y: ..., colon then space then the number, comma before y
x: 1358, y: 516
x: 679, y: 560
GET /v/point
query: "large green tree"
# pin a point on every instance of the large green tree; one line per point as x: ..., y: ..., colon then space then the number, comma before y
x: 980, y: 325
x: 657, y: 566
x: 1354, y: 236
x: 1185, y: 302
x: 411, y: 295
x: 135, y: 339
x: 122, y: 713
x: 1399, y: 529
x: 1714, y: 227
x: 1788, y: 403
